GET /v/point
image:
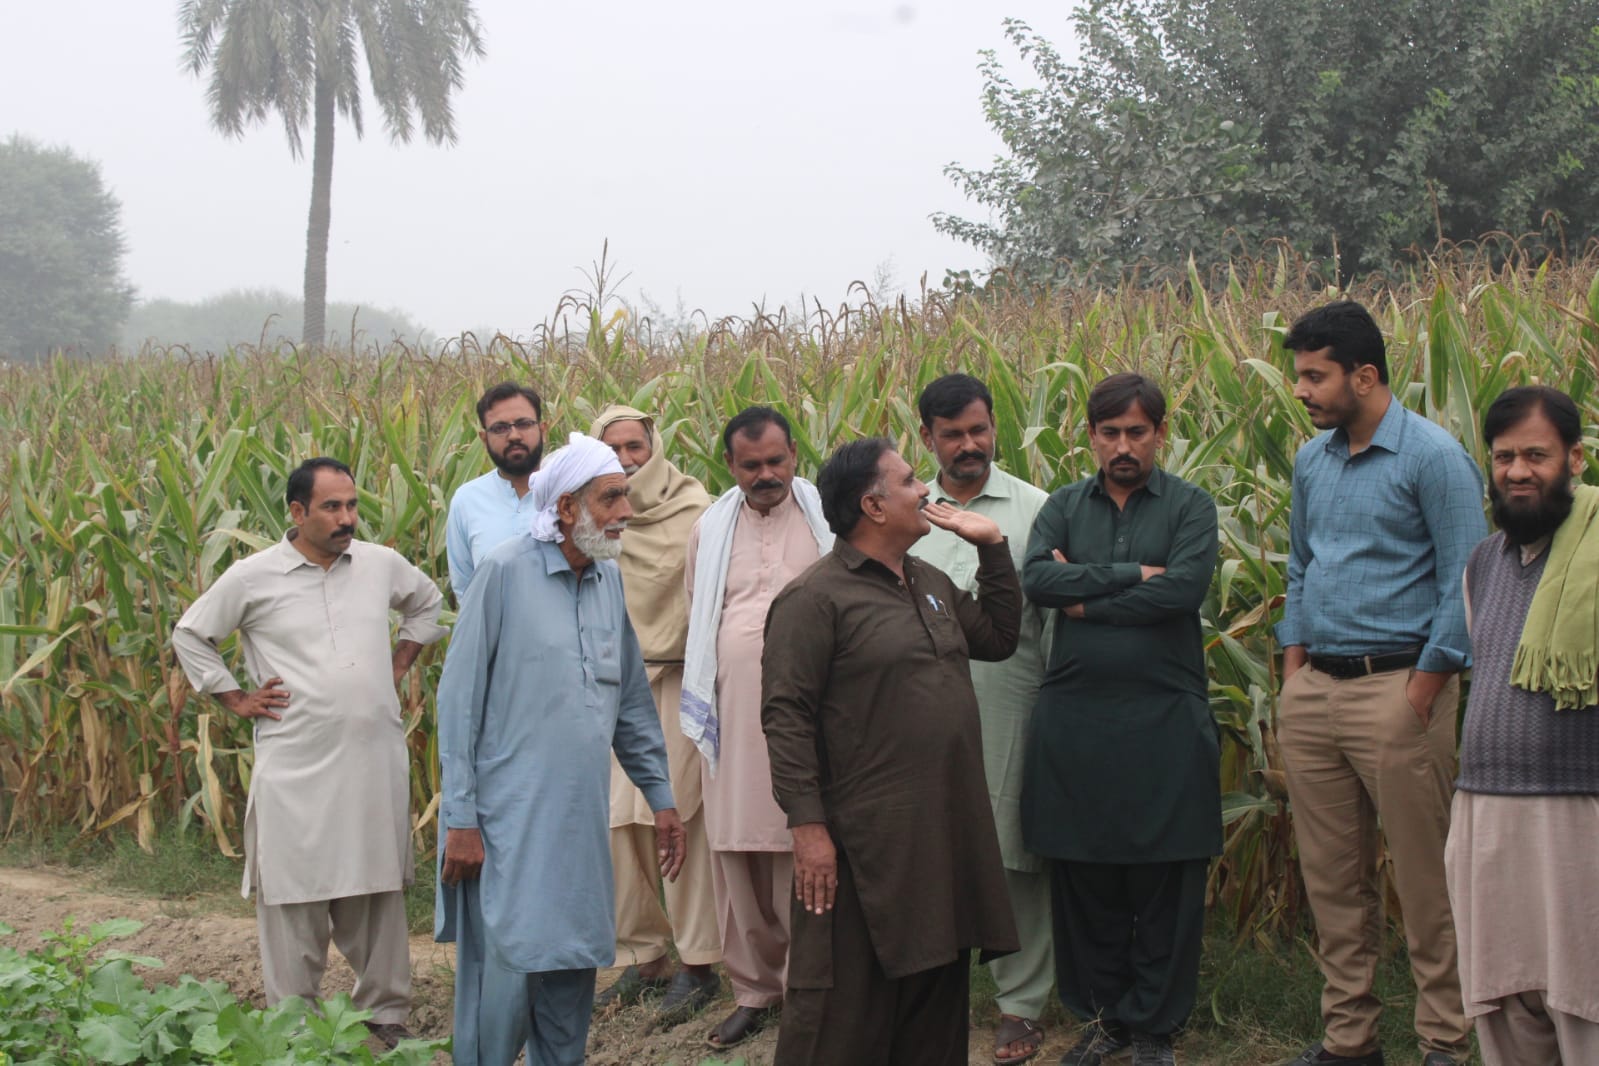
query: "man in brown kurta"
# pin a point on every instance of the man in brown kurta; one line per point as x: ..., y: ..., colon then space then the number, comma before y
x: 877, y: 758
x: 665, y: 503
x: 757, y: 537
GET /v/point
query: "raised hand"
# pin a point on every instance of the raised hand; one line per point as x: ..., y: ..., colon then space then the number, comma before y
x: 967, y: 525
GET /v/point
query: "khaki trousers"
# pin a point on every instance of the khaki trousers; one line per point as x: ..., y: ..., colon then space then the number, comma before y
x: 1526, y: 1031
x: 1356, y: 752
x: 370, y: 932
x: 753, y: 893
x: 643, y: 929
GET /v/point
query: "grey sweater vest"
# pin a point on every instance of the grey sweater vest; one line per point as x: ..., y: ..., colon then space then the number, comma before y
x: 1514, y: 742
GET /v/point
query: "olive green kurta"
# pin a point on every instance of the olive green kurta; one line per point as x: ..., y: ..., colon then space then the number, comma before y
x: 1123, y: 765
x: 871, y: 722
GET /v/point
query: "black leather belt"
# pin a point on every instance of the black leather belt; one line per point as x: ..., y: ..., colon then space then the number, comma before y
x: 1345, y: 667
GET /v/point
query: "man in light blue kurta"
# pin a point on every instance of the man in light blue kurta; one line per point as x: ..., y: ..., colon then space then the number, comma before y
x: 544, y: 679
x: 489, y: 510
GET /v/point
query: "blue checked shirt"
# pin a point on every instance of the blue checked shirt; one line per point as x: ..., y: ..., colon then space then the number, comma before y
x: 1379, y: 541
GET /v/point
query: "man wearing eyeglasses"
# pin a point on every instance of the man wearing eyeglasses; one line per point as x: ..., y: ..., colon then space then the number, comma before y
x: 489, y: 510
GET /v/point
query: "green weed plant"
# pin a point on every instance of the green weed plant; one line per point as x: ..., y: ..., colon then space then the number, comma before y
x: 72, y: 1004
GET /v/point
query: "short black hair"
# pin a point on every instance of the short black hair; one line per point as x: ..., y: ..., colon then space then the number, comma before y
x: 849, y: 473
x: 1116, y: 395
x: 1516, y: 405
x: 507, y: 390
x: 951, y: 394
x: 751, y: 422
x: 1348, y: 329
x: 302, y: 479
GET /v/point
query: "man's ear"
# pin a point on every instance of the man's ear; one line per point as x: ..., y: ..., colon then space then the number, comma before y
x: 1366, y: 379
x: 872, y: 508
x: 566, y: 508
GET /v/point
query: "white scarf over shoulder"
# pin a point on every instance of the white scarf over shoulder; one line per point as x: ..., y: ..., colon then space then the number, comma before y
x: 697, y: 711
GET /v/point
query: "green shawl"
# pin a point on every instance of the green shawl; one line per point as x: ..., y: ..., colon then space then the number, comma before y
x: 1559, y: 649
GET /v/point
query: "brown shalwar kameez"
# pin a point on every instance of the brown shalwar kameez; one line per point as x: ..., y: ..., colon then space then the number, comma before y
x: 872, y: 726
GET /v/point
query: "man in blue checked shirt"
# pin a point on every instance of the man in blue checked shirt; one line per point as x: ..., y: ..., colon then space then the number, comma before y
x: 1387, y: 507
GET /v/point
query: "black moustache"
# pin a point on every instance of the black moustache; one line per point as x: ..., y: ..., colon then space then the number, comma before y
x: 768, y: 484
x: 345, y: 532
x: 970, y: 455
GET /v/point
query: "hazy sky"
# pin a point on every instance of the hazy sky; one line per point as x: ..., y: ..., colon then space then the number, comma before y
x: 730, y: 151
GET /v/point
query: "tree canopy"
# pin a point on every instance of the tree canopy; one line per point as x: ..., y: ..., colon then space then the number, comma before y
x: 61, y: 283
x: 302, y: 59
x: 1356, y: 130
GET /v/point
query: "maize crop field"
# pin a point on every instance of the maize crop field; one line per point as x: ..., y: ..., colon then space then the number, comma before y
x: 128, y: 484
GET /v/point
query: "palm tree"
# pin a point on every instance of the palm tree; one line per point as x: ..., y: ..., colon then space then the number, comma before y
x: 299, y: 56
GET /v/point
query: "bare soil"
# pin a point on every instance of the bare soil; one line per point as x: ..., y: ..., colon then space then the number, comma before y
x: 215, y: 937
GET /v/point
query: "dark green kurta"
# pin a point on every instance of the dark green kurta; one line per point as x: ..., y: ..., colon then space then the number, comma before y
x: 1123, y: 764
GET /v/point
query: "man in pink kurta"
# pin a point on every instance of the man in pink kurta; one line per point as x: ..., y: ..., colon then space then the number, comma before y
x: 756, y: 538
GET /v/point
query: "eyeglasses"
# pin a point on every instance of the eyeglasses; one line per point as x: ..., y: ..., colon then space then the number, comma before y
x: 521, y: 425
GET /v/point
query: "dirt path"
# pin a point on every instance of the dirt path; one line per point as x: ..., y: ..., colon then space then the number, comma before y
x: 215, y: 938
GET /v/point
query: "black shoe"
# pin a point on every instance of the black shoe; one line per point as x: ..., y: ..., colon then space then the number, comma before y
x: 1096, y: 1044
x: 1318, y: 1055
x: 1149, y: 1050
x: 742, y: 1024
x: 1441, y: 1058
x: 389, y: 1033
x: 629, y: 989
x: 687, y: 995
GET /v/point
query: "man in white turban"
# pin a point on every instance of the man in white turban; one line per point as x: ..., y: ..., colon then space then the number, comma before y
x: 543, y: 681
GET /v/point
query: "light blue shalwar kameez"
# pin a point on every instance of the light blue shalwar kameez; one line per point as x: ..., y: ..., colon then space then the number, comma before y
x: 543, y: 680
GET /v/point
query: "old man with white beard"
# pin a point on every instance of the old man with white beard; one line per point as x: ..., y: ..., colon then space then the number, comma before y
x: 544, y: 680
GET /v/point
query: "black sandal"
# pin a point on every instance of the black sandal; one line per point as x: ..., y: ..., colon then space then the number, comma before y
x: 739, y: 1026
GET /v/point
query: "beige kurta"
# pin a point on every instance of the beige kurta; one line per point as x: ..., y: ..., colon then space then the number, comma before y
x: 768, y: 551
x: 666, y: 505
x: 328, y: 813
x: 1524, y: 884
x: 628, y: 805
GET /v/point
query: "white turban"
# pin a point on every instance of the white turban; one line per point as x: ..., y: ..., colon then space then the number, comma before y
x: 567, y: 470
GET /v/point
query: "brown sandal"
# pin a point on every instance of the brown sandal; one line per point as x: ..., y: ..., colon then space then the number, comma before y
x: 1014, y: 1030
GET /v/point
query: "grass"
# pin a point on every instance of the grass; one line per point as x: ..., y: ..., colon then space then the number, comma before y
x: 186, y: 868
x: 1259, y: 1000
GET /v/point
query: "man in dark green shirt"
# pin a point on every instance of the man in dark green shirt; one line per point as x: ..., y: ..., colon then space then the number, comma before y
x: 1121, y: 789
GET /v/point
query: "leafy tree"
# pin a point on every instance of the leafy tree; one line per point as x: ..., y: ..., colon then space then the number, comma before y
x: 303, y: 58
x: 1356, y: 129
x: 61, y: 283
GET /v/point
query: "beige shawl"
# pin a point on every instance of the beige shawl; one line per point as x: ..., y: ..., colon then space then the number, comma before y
x: 666, y: 502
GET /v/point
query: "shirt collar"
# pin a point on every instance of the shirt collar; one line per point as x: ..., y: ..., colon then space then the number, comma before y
x: 855, y: 559
x: 555, y: 561
x: 1388, y: 436
x: 1155, y: 485
x: 997, y: 487
x: 291, y: 558
x: 1526, y: 553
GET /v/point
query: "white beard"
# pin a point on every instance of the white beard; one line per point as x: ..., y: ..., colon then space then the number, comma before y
x: 590, y: 539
